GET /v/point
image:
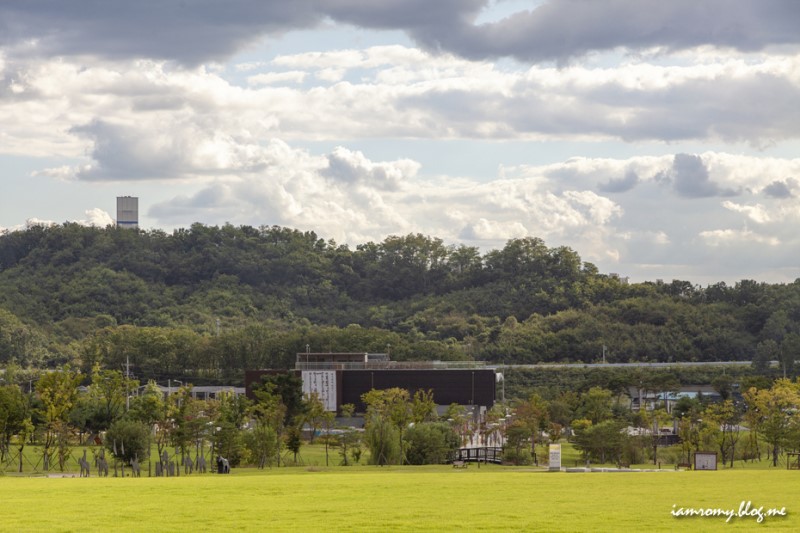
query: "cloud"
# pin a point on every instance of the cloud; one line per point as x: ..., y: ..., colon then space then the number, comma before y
x: 276, y: 78
x: 731, y: 237
x: 127, y: 111
x: 492, y: 230
x: 756, y: 213
x: 352, y: 199
x: 623, y: 184
x: 690, y: 178
x: 352, y: 167
x: 94, y: 217
x: 781, y: 189
x: 97, y: 217
x: 563, y: 29
x: 557, y: 30
x: 188, y: 32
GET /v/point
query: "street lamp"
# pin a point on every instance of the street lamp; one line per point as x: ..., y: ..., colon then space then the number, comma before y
x: 169, y: 386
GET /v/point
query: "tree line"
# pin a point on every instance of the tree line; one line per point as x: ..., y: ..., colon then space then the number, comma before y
x: 129, y: 420
x: 208, y: 300
x: 748, y: 422
x: 752, y: 425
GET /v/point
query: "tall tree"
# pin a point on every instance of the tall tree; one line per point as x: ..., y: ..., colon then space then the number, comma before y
x: 57, y: 392
x: 777, y: 408
x: 387, y: 408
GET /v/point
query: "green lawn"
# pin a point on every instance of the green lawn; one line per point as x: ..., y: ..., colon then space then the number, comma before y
x: 399, y: 499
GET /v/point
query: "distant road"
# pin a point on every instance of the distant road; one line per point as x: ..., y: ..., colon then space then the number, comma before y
x: 625, y: 365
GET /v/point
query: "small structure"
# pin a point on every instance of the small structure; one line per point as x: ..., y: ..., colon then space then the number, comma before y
x: 705, y: 461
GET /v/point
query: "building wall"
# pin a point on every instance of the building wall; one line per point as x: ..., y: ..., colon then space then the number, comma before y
x: 127, y: 212
x: 464, y: 387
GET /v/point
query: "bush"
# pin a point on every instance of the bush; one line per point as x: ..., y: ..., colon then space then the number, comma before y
x: 261, y: 446
x: 521, y: 457
x: 431, y: 443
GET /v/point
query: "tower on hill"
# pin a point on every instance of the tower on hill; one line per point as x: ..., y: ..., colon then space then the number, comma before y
x: 127, y: 212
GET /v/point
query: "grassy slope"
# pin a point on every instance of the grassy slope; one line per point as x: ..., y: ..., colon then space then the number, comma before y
x: 397, y: 499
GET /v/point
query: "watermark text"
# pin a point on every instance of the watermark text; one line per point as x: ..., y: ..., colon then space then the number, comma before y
x: 746, y: 510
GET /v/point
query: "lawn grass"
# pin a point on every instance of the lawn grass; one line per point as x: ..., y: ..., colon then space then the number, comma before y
x: 437, y: 498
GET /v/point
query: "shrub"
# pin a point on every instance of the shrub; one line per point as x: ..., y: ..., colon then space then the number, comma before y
x: 431, y: 443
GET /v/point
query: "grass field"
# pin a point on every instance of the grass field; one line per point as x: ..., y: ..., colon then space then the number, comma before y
x: 436, y: 498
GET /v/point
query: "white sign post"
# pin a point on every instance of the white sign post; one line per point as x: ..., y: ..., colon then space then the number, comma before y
x: 555, y: 457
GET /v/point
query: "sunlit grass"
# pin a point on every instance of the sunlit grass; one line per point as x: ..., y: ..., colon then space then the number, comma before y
x: 437, y: 498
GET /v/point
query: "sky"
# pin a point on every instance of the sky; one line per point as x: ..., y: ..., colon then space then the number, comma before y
x: 659, y: 140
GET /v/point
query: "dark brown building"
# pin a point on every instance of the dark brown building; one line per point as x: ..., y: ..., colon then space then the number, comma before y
x: 343, y: 378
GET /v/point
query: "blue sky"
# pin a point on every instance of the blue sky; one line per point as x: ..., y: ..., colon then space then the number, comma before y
x: 657, y: 139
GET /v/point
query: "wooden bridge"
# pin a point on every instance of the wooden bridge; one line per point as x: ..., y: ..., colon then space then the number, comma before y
x: 482, y: 454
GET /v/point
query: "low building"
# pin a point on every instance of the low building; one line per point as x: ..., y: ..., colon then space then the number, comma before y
x: 342, y: 378
x: 203, y: 392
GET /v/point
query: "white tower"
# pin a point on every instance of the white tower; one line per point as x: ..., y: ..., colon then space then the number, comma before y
x: 127, y: 212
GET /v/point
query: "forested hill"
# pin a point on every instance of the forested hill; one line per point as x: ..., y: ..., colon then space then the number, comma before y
x: 237, y: 297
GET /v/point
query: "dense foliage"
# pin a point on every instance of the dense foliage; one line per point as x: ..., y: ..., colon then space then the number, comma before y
x: 208, y: 302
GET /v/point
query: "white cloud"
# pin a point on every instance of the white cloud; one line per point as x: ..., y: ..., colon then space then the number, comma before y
x: 97, y: 217
x: 352, y: 167
x: 492, y: 230
x: 757, y: 213
x: 724, y: 237
x: 276, y: 78
x: 53, y: 105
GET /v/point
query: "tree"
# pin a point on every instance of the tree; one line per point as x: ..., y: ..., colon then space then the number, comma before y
x: 128, y: 440
x: 601, y: 442
x: 153, y: 410
x: 533, y: 413
x: 518, y: 436
x: 390, y: 406
x: 105, y: 402
x: 423, y: 407
x: 657, y: 418
x: 431, y: 443
x: 723, y: 384
x: 382, y: 439
x: 232, y: 413
x: 57, y: 392
x: 766, y: 352
x: 19, y: 343
x: 269, y: 414
x: 349, y: 438
x: 294, y: 442
x: 688, y: 412
x: 262, y: 443
x: 328, y: 419
x: 289, y: 389
x: 596, y: 404
x: 14, y: 413
x: 190, y: 424
x: 314, y: 413
x: 725, y: 418
x: 777, y: 408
